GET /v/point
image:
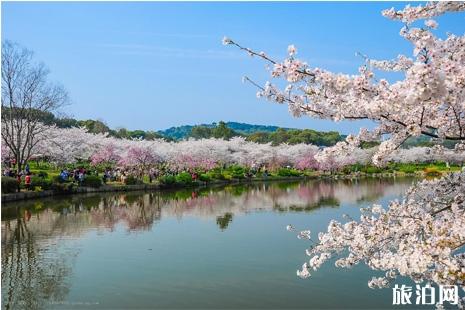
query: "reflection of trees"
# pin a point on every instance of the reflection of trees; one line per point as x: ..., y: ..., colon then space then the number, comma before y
x: 35, y: 270
x: 141, y: 214
x: 321, y: 203
x: 139, y: 211
x: 31, y: 274
x: 223, y: 221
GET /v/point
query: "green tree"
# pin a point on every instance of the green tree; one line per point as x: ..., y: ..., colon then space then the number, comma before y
x: 222, y: 131
x: 200, y: 132
x: 259, y: 137
x: 95, y: 126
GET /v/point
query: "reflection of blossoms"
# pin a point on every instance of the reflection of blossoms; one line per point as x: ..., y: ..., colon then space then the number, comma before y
x: 139, y: 212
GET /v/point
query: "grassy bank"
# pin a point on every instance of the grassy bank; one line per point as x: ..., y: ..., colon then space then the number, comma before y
x: 46, y: 181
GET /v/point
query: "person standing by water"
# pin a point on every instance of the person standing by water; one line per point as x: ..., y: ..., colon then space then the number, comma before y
x: 18, y: 179
x: 81, y: 177
x: 76, y: 175
x: 27, y: 181
x: 151, y: 175
x: 63, y: 176
x: 265, y: 172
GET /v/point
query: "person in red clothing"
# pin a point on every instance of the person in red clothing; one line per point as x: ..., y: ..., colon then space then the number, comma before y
x: 27, y: 181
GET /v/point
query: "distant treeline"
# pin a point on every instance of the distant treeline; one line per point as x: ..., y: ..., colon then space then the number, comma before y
x: 226, y: 130
x: 97, y: 126
x: 277, y: 136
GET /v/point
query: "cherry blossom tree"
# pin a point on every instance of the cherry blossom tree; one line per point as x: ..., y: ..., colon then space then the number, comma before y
x: 140, y: 159
x: 106, y: 155
x: 63, y: 146
x: 428, y: 101
x: 420, y: 237
x: 306, y: 160
x: 427, y: 154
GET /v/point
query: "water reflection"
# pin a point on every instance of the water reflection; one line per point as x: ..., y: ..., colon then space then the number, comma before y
x: 31, y: 271
x: 36, y: 268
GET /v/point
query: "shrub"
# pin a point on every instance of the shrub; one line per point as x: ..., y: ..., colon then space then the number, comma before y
x: 62, y: 187
x: 41, y: 182
x: 372, y: 169
x: 432, y: 172
x: 58, y: 179
x: 42, y: 174
x: 92, y: 181
x: 236, y: 172
x: 226, y: 176
x: 215, y: 174
x: 408, y: 168
x: 132, y: 180
x: 204, y: 177
x: 356, y: 167
x: 184, y: 178
x: 167, y: 180
x: 348, y: 169
x: 9, y: 185
x: 286, y: 172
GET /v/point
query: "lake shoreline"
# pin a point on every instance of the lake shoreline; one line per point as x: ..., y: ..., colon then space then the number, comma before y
x: 13, y: 197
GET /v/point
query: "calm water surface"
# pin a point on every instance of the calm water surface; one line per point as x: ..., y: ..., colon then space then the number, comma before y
x: 223, y: 247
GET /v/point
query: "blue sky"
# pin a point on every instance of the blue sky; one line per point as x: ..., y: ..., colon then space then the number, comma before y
x: 154, y: 65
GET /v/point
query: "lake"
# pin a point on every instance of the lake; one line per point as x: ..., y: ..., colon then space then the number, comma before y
x: 218, y: 247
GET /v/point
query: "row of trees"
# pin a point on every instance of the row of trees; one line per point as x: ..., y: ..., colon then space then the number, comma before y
x: 220, y: 130
x: 280, y: 135
x: 63, y: 146
x: 94, y: 126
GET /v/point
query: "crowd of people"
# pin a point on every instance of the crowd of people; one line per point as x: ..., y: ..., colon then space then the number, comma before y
x: 24, y: 176
x: 77, y: 175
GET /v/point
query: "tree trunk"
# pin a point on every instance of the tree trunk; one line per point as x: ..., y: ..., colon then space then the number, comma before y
x: 18, y: 164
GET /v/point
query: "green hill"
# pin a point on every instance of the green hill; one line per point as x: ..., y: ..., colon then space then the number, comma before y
x: 182, y: 132
x: 255, y: 133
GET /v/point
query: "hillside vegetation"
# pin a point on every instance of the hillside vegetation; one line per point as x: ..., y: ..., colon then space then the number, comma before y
x: 225, y: 130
